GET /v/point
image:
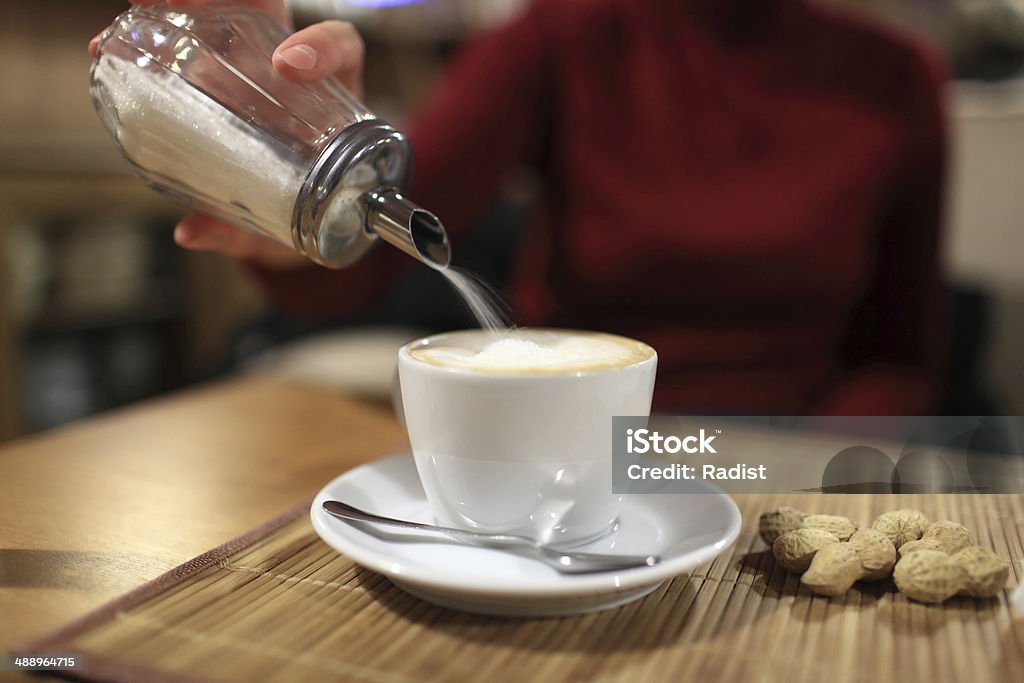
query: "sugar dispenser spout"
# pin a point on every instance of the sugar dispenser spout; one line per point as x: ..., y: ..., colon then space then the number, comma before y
x: 405, y: 225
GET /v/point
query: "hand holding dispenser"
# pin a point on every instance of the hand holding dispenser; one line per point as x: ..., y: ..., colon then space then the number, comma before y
x: 195, y: 105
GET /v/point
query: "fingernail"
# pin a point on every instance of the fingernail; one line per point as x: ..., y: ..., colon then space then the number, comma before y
x: 301, y: 57
x: 183, y: 236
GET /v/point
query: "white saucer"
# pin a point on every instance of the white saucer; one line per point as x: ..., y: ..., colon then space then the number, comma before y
x: 685, y: 530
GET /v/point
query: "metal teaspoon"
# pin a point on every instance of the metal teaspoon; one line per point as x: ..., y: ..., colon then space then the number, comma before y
x: 565, y: 561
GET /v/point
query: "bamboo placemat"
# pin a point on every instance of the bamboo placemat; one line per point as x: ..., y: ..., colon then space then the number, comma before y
x: 277, y: 604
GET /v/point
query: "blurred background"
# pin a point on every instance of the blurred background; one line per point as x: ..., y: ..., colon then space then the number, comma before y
x: 98, y: 308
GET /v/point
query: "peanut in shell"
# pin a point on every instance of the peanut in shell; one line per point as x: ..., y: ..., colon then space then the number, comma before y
x: 773, y: 524
x: 929, y: 576
x: 833, y: 570
x: 950, y: 535
x: 901, y: 526
x: 840, y: 527
x: 877, y: 554
x: 986, y: 572
x: 920, y: 544
x: 795, y: 549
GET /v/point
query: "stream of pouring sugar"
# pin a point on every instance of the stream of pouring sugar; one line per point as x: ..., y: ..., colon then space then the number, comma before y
x: 482, y: 301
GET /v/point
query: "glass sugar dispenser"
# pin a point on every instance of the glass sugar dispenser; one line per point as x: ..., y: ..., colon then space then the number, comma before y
x: 192, y: 99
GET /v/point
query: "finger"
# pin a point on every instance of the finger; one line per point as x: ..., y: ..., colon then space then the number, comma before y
x: 204, y: 233
x: 324, y: 49
x: 94, y: 45
x: 199, y: 232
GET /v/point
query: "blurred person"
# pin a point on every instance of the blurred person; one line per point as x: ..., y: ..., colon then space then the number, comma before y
x: 752, y: 187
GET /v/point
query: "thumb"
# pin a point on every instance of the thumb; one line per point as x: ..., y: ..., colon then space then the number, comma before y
x: 324, y: 49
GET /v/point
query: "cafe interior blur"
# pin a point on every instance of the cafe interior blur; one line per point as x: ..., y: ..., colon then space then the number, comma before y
x: 99, y: 308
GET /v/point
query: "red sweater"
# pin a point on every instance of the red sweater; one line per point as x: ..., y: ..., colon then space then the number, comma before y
x: 754, y: 189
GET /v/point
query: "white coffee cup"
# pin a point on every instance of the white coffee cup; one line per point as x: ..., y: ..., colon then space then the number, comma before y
x: 525, y: 450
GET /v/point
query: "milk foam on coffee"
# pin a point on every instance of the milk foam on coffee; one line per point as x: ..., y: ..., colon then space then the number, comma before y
x: 535, y: 352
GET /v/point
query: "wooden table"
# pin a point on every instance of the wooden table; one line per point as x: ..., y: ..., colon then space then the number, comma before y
x: 93, y: 510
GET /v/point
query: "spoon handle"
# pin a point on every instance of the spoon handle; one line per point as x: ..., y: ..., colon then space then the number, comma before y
x: 346, y: 511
